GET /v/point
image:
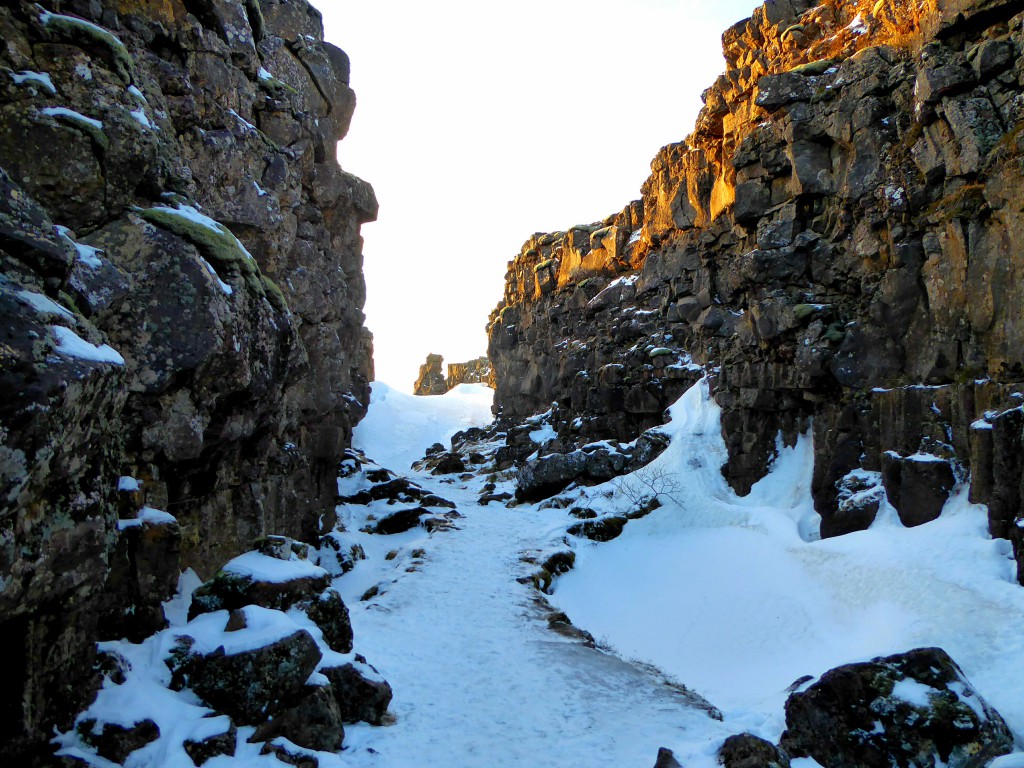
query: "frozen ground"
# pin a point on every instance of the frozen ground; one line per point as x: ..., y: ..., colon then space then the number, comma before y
x: 736, y: 598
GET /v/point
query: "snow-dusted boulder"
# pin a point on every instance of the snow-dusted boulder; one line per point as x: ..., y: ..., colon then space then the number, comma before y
x: 912, y: 710
x: 746, y: 750
x: 252, y: 680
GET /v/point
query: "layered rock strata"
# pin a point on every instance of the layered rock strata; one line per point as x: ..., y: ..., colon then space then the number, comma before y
x: 837, y: 245
x: 181, y: 295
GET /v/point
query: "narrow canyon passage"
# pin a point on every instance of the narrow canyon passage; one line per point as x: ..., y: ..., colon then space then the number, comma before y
x: 480, y: 679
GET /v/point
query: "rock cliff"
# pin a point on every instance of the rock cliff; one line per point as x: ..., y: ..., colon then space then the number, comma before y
x: 181, y: 295
x: 837, y: 245
x: 432, y: 381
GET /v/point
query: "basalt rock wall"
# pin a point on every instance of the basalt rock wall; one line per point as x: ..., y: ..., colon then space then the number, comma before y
x: 181, y: 296
x: 838, y: 245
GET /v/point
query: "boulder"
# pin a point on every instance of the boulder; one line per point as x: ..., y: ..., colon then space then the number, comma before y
x: 911, y: 710
x: 222, y: 743
x: 116, y: 742
x: 399, y: 522
x: 749, y: 751
x: 361, y: 693
x: 918, y: 486
x: 312, y: 721
x: 251, y: 684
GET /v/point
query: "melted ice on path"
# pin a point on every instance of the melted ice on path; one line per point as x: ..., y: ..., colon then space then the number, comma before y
x: 734, y: 597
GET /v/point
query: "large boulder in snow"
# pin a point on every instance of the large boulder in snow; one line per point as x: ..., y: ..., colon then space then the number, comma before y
x: 398, y: 522
x: 746, y: 750
x: 312, y: 721
x: 360, y: 691
x: 278, y: 576
x: 912, y: 710
x: 247, y: 684
x: 255, y: 578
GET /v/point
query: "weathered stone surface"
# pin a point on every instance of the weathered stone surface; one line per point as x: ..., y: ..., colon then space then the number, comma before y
x: 834, y: 246
x: 313, y: 721
x: 748, y: 751
x: 360, y: 692
x: 431, y: 379
x: 399, y: 522
x: 212, y: 746
x: 116, y: 742
x: 249, y: 685
x: 907, y: 710
x: 241, y: 359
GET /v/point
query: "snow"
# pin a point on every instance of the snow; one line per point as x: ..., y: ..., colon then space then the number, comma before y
x: 914, y: 693
x: 86, y: 253
x: 140, y: 116
x: 766, y: 602
x: 227, y: 289
x: 43, y: 304
x: 27, y: 76
x: 400, y: 427
x: 734, y: 597
x: 128, y: 483
x: 264, y: 75
x: 71, y: 114
x: 260, y: 567
x: 71, y: 344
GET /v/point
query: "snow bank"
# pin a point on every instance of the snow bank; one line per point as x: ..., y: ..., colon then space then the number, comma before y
x: 399, y: 427
x: 738, y: 598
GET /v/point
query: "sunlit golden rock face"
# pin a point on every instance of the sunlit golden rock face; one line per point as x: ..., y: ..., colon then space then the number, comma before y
x: 838, y: 244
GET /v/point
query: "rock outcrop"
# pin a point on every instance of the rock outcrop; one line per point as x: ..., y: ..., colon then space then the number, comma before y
x: 432, y: 381
x: 181, y: 299
x: 912, y: 710
x: 837, y: 245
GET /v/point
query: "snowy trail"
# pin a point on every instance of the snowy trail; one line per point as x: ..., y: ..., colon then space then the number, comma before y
x: 735, y: 597
x: 479, y: 678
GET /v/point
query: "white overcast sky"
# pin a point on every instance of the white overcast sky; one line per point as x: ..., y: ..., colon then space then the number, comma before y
x: 480, y: 123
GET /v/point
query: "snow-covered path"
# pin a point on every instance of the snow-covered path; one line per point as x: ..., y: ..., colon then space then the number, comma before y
x: 736, y: 597
x: 480, y: 679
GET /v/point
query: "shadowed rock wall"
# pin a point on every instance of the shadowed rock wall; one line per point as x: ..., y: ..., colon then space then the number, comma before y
x: 181, y: 295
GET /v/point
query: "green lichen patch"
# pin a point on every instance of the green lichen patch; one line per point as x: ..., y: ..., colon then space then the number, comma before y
x: 87, y: 125
x: 218, y: 244
x: 78, y: 31
x: 813, y: 68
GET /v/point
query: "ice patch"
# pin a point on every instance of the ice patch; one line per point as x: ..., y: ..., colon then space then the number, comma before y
x: 71, y: 344
x: 72, y: 115
x: 33, y: 78
x: 43, y: 304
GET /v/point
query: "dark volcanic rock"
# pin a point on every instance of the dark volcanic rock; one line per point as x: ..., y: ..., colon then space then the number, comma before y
x: 212, y: 746
x: 313, y: 721
x: 162, y: 202
x: 399, y: 522
x: 748, y: 751
x: 361, y: 693
x: 908, y: 711
x: 115, y: 742
x: 249, y: 685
